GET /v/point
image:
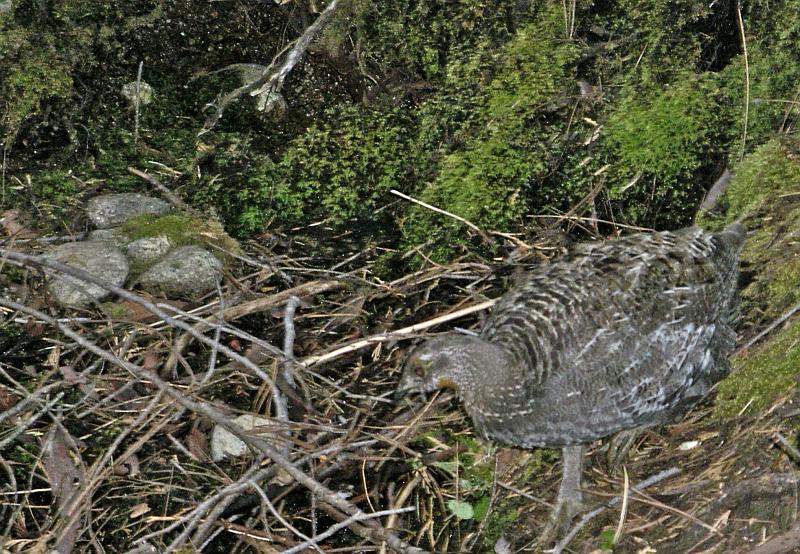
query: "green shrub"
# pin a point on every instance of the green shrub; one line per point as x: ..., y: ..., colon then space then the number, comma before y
x: 340, y: 171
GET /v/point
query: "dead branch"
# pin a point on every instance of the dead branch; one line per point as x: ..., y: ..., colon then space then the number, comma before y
x: 271, y: 82
x: 649, y: 482
x: 375, y: 534
x: 404, y: 333
x: 173, y: 198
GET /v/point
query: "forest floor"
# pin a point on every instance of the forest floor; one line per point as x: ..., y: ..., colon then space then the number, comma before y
x: 105, y: 421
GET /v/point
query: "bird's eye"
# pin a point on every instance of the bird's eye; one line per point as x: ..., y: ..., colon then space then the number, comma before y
x: 419, y: 370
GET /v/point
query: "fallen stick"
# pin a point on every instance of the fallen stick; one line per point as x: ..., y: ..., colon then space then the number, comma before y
x: 649, y: 482
x: 375, y: 534
x: 403, y: 333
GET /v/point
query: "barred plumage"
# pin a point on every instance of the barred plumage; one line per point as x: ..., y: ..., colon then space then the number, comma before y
x: 619, y: 334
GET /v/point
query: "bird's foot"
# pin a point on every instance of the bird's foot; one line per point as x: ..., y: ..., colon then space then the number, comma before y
x: 569, y: 502
x: 566, y: 508
x: 619, y: 446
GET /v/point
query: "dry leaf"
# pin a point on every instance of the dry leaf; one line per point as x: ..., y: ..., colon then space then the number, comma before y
x: 6, y: 399
x: 66, y: 480
x: 33, y: 328
x: 139, y: 510
x: 150, y: 361
x: 131, y: 311
x: 13, y: 228
x: 197, y: 444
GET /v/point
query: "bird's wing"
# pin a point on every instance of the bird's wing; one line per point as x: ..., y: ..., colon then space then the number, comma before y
x: 621, y: 379
x: 623, y: 328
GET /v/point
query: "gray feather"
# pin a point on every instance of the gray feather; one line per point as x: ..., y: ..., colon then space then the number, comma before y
x: 619, y: 334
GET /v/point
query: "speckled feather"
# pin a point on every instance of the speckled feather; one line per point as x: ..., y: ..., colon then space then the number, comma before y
x: 619, y: 334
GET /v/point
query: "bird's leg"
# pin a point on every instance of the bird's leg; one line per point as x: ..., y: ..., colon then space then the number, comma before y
x: 570, y: 499
x: 619, y: 446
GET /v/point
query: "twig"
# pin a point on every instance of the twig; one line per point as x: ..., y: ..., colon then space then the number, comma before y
x: 592, y: 220
x: 781, y: 442
x: 623, y: 512
x: 405, y: 492
x: 212, y: 360
x: 273, y: 83
x: 746, y: 79
x: 346, y: 523
x: 221, y: 498
x: 279, y: 517
x: 288, y: 338
x: 786, y: 315
x: 649, y: 482
x: 168, y: 194
x: 469, y: 224
x: 20, y: 428
x: 137, y: 102
x: 278, y: 398
x: 404, y: 333
x: 785, y: 542
x: 37, y: 240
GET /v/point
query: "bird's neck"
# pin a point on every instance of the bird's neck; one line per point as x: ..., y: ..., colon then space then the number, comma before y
x: 483, y: 372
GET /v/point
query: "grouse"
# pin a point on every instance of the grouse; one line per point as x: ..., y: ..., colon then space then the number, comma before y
x: 619, y: 334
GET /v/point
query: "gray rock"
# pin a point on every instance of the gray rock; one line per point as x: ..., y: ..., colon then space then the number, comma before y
x: 110, y: 210
x: 225, y: 444
x: 98, y: 257
x: 188, y: 271
x: 147, y: 250
x: 103, y: 234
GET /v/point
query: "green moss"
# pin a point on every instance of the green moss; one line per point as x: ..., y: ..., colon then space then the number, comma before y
x: 660, y: 141
x: 502, y: 516
x: 419, y: 37
x: 765, y: 373
x: 654, y: 40
x: 181, y: 230
x: 783, y: 289
x: 114, y: 310
x: 771, y: 169
x: 338, y: 171
x: 666, y: 133
x: 344, y: 169
x: 488, y: 180
x: 37, y: 75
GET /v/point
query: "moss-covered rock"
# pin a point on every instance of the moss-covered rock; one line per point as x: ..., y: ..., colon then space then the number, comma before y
x: 180, y: 230
x: 765, y: 194
x: 768, y: 371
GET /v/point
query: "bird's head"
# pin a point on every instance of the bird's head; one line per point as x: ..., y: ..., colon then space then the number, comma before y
x: 447, y: 361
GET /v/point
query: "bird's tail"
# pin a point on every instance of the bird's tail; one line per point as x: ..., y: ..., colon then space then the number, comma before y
x: 734, y: 235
